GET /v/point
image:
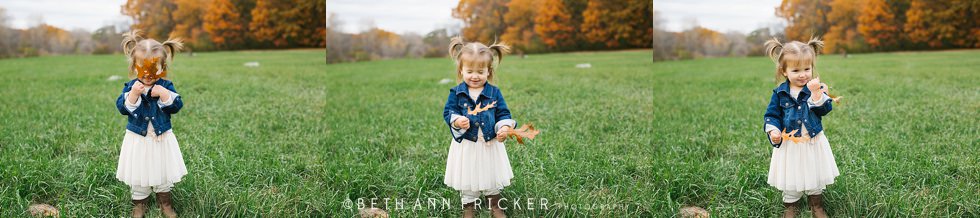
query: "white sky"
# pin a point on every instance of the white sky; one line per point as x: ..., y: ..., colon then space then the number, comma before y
x: 400, y: 16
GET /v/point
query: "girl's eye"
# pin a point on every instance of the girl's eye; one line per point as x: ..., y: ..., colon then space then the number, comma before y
x: 807, y: 69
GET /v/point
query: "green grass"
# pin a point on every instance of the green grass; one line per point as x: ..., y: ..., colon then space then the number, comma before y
x: 626, y: 137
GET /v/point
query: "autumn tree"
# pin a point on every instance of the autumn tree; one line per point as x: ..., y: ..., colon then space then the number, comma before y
x: 843, y: 35
x: 224, y: 25
x: 554, y: 24
x: 189, y: 24
x: 520, y: 26
x: 153, y: 17
x: 287, y: 23
x: 943, y: 24
x: 614, y: 23
x: 877, y: 24
x: 483, y: 19
x: 804, y: 18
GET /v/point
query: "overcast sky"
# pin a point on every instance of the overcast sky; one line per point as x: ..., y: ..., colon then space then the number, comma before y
x: 400, y: 16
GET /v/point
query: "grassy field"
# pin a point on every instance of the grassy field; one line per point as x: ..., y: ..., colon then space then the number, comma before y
x: 626, y: 137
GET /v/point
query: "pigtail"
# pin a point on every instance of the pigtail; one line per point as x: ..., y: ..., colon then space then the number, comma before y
x: 128, y: 45
x: 171, y: 47
x: 129, y: 42
x: 499, y: 50
x: 455, y: 46
x: 774, y: 49
x: 816, y: 44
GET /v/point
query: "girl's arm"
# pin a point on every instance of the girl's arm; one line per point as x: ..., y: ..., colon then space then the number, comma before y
x: 173, y: 104
x: 773, y: 117
x: 821, y: 107
x: 502, y: 114
x: 123, y: 102
x: 450, y: 114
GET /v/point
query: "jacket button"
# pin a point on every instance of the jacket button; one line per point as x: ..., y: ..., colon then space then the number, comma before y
x: 146, y: 118
x: 797, y: 107
x: 799, y: 121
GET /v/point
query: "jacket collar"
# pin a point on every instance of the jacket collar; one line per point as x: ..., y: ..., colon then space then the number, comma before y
x: 160, y: 81
x: 462, y: 88
x: 784, y: 88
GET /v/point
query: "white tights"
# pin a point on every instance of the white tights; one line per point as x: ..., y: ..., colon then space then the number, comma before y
x: 142, y: 192
x: 793, y: 196
x: 473, y: 196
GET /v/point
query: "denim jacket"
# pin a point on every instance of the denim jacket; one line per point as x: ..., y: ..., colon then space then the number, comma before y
x: 786, y: 113
x: 149, y: 109
x: 489, y: 121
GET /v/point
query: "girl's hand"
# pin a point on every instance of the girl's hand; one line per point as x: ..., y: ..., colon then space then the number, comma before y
x: 159, y: 92
x: 462, y: 123
x: 815, y: 87
x: 136, y: 89
x: 775, y: 136
x: 502, y: 133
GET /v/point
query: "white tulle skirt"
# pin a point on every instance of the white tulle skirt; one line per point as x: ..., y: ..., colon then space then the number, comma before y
x: 477, y: 166
x: 808, y: 165
x: 151, y: 160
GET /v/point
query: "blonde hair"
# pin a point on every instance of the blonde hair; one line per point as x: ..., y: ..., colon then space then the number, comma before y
x: 476, y: 53
x: 137, y: 49
x: 796, y: 51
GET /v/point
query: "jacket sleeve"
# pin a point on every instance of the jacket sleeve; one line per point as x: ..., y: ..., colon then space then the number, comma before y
x: 448, y: 112
x: 502, y: 113
x: 821, y: 107
x: 121, y: 101
x: 177, y: 104
x: 773, y: 116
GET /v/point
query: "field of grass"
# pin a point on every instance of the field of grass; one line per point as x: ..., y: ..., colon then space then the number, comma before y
x: 627, y: 137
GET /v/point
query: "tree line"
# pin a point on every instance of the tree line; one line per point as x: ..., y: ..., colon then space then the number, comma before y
x: 228, y: 25
x: 533, y: 26
x: 880, y: 25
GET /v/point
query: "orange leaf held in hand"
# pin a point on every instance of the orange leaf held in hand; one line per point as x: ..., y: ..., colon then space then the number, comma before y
x: 148, y: 70
x: 789, y: 136
x: 480, y: 109
x: 526, y: 131
x: 835, y: 98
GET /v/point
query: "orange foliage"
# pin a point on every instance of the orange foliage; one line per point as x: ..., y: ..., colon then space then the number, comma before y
x: 804, y: 18
x: 520, y: 24
x: 483, y: 19
x: 151, y: 16
x: 614, y: 22
x: 552, y: 24
x: 224, y: 24
x: 842, y: 34
x: 877, y: 24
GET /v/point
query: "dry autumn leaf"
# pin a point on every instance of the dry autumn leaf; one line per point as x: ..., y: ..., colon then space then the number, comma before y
x: 480, y: 109
x: 526, y: 131
x: 835, y: 98
x: 148, y: 70
x: 789, y: 137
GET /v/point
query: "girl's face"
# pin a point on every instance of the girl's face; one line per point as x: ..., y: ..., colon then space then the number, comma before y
x: 475, y: 76
x: 798, y: 74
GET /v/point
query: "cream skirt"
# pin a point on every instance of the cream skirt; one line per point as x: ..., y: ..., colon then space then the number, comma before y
x: 808, y: 165
x: 151, y: 160
x: 477, y: 166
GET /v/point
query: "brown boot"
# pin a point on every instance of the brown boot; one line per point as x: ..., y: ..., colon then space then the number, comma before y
x: 140, y: 207
x: 495, y: 209
x: 816, y: 206
x: 469, y: 210
x: 166, y: 204
x: 792, y: 209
